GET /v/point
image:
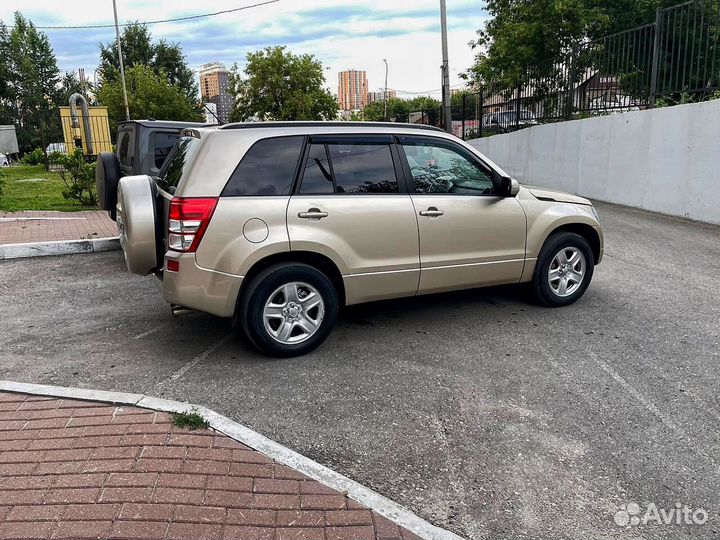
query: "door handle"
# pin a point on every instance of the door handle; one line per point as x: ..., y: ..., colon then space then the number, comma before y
x: 431, y: 212
x: 313, y: 213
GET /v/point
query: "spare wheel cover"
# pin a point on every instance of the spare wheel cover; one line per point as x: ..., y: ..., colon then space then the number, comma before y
x: 136, y: 222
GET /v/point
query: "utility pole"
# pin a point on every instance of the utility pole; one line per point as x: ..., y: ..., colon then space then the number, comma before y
x: 122, y: 67
x: 385, y: 116
x: 447, y: 119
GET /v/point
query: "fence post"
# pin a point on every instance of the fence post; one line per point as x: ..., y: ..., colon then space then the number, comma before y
x: 517, y: 107
x: 480, y: 115
x: 571, y: 83
x: 463, y: 117
x: 655, y: 59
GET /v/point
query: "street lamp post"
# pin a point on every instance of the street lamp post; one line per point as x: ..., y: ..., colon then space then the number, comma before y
x: 385, y: 116
x: 120, y: 59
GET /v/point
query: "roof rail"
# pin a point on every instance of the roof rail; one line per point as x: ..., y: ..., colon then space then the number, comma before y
x: 348, y: 124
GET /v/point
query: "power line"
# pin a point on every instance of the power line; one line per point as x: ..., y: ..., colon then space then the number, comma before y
x: 177, y: 19
x: 428, y: 91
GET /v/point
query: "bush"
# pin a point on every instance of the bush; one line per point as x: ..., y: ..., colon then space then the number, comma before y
x: 78, y: 176
x: 36, y: 157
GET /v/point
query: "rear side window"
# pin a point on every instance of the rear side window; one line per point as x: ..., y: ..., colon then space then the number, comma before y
x: 162, y: 144
x: 317, y: 177
x: 124, y: 150
x: 349, y: 168
x: 172, y: 170
x: 268, y: 168
x: 363, y: 168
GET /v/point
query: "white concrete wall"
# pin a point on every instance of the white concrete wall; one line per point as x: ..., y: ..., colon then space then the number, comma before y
x: 666, y: 160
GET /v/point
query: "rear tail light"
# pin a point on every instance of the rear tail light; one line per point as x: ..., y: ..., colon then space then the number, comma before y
x: 189, y: 218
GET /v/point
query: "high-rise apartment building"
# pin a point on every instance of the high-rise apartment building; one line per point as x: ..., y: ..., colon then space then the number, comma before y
x: 378, y: 96
x: 352, y: 90
x: 214, y: 89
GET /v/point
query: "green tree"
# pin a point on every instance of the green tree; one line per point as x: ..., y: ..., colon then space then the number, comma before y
x: 5, y: 89
x: 29, y: 84
x: 538, y: 34
x: 150, y: 95
x: 400, y: 110
x: 69, y: 85
x: 139, y: 49
x: 278, y: 85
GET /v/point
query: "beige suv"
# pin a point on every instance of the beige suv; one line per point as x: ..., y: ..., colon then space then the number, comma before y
x: 278, y: 225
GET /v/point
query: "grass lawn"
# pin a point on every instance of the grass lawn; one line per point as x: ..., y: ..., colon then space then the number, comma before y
x: 30, y: 187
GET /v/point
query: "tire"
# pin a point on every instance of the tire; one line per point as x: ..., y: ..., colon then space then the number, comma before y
x: 107, y: 177
x: 266, y: 291
x: 578, y: 264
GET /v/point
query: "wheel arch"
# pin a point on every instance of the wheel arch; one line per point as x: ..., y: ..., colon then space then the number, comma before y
x: 588, y: 232
x: 321, y: 262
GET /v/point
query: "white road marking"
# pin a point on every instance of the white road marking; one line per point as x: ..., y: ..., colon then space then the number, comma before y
x: 192, y: 363
x: 151, y: 331
x: 666, y: 420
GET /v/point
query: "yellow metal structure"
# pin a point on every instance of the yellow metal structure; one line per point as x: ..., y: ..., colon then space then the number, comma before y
x: 76, y: 138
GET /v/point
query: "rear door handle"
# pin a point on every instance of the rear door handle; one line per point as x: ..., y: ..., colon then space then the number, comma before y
x: 431, y: 212
x: 313, y: 213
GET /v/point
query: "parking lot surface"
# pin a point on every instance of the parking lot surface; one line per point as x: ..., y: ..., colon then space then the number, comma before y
x: 480, y: 411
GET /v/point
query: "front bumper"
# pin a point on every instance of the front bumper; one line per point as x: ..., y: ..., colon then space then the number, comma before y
x: 199, y: 288
x: 599, y: 232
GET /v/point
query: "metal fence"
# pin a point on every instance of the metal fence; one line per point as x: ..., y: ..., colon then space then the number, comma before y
x: 673, y: 59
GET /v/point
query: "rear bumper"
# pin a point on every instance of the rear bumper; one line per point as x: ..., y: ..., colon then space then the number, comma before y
x: 199, y: 288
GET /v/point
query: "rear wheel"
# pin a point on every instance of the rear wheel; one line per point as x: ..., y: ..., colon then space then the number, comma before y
x: 564, y: 270
x: 288, y: 309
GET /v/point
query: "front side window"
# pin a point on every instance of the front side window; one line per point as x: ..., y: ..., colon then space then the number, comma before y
x: 439, y: 168
x: 268, y: 168
x: 349, y: 168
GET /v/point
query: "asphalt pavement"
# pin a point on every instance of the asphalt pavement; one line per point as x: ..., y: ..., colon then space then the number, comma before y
x: 480, y: 411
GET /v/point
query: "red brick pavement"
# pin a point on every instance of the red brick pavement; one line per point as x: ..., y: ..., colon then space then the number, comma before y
x: 80, y: 470
x: 22, y: 227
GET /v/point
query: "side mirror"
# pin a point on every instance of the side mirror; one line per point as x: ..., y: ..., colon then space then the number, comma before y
x: 506, y: 186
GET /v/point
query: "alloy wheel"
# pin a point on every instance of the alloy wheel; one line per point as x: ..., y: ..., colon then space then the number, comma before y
x: 567, y: 271
x: 293, y: 313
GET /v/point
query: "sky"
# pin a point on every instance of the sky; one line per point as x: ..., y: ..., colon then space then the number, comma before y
x: 341, y: 33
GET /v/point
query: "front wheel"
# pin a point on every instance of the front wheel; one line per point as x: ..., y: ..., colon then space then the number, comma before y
x: 564, y: 270
x: 288, y: 309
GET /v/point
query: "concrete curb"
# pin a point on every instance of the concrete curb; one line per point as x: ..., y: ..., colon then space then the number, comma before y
x: 364, y: 495
x: 60, y: 247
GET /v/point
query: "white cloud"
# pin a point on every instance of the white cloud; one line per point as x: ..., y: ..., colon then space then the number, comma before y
x: 342, y: 33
